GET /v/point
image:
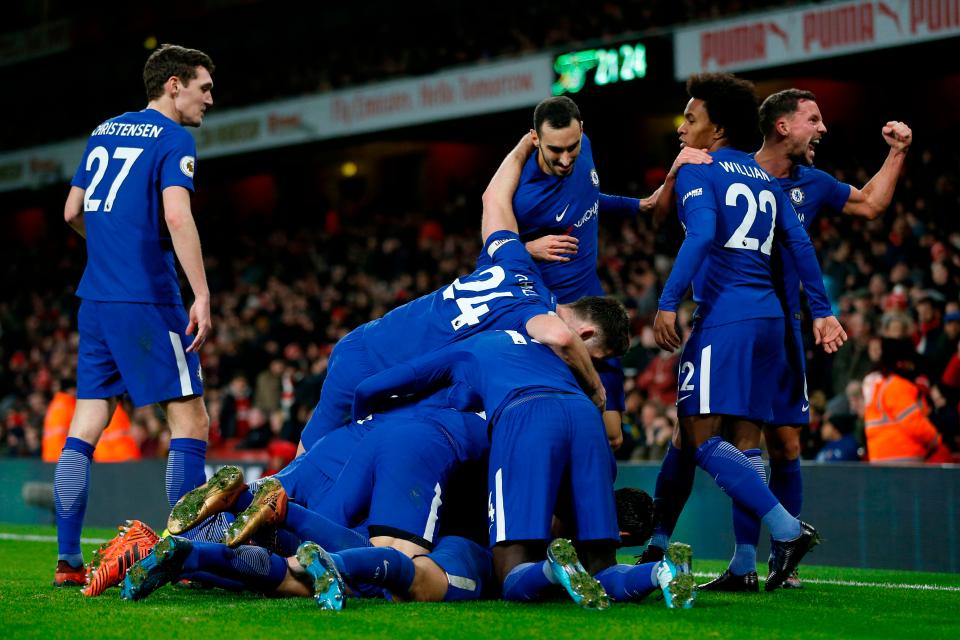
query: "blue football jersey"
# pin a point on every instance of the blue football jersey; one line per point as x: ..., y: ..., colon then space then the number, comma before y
x: 504, y: 292
x: 128, y: 162
x: 810, y: 191
x: 546, y: 204
x: 499, y: 366
x: 730, y: 210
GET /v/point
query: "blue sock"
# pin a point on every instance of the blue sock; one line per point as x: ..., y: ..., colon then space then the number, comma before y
x: 382, y: 567
x: 674, y: 484
x: 211, y: 529
x: 528, y: 582
x: 185, y: 471
x: 70, y: 485
x: 213, y: 580
x: 746, y: 524
x: 786, y: 484
x: 255, y: 567
x: 309, y: 525
x: 735, y: 475
x: 782, y: 525
x: 629, y: 583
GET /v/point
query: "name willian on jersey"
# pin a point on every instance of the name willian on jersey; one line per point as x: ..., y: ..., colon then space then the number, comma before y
x: 141, y: 130
x: 744, y: 170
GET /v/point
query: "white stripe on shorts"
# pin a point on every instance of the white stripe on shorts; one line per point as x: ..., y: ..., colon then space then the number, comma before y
x: 185, y: 387
x: 705, y: 379
x: 501, y: 517
x: 432, y: 520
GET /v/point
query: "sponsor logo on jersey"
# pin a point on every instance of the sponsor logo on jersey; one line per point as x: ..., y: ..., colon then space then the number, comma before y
x: 562, y: 213
x: 496, y: 244
x: 797, y: 195
x: 186, y: 165
x: 691, y: 194
x: 594, y: 178
x: 588, y: 214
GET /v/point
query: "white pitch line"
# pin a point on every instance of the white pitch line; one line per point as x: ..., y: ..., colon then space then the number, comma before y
x: 20, y: 537
x: 854, y: 583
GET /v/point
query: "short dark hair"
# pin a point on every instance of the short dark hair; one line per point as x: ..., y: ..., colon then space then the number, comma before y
x: 558, y: 112
x: 780, y: 104
x: 610, y: 317
x: 634, y: 516
x: 731, y: 103
x: 172, y: 60
x: 899, y: 356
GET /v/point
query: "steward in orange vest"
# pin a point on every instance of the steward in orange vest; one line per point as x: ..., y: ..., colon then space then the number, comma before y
x: 895, y: 414
x: 115, y: 445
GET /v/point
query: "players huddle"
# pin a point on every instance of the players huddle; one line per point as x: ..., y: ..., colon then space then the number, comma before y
x: 462, y: 444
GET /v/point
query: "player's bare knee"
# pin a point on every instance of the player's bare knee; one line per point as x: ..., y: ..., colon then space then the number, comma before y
x: 188, y: 418
x: 430, y: 582
x: 783, y: 443
x: 90, y: 419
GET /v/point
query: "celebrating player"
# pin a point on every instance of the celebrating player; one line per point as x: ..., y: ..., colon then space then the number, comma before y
x: 730, y: 211
x: 792, y: 127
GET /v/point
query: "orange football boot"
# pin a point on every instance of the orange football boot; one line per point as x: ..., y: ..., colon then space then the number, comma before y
x: 111, y: 561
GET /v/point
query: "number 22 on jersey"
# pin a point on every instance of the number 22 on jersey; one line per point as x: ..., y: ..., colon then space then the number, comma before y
x: 101, y: 157
x: 768, y: 204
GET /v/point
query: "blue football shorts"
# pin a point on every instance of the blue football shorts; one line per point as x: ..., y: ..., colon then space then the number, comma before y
x: 137, y: 348
x: 731, y: 369
x: 544, y: 446
x: 791, y: 404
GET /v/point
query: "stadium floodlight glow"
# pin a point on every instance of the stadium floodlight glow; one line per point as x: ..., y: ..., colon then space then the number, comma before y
x: 622, y: 64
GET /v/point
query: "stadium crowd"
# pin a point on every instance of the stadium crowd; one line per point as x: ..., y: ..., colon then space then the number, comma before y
x: 284, y: 296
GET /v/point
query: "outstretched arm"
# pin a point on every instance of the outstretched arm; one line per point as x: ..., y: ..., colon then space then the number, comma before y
x: 431, y: 371
x: 875, y: 196
x: 498, y: 197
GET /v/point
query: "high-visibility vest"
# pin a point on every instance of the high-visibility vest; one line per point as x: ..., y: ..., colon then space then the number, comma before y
x: 115, y: 445
x: 896, y: 422
x: 56, y: 424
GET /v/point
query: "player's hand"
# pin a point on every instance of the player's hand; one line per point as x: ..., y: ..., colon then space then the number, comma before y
x: 829, y: 333
x: 689, y: 155
x: 199, y: 322
x: 665, y: 330
x: 553, y: 248
x: 897, y: 135
x: 599, y: 398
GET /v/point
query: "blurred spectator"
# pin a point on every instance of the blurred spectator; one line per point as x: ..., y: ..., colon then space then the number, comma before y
x: 897, y: 427
x: 840, y: 444
x: 268, y: 389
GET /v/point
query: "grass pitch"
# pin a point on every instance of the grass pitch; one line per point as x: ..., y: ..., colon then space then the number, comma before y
x: 836, y: 604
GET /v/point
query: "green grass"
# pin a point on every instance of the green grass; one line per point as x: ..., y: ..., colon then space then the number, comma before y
x: 31, y: 608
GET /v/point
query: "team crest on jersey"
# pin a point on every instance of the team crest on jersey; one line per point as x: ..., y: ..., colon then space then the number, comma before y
x: 594, y: 178
x: 186, y: 165
x: 797, y: 195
